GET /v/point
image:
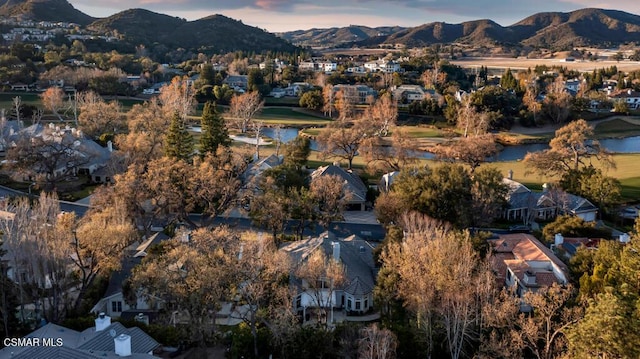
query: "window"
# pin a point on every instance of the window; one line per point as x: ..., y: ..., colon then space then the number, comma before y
x: 366, y: 304
x: 97, y: 178
x: 349, y: 305
x: 116, y: 307
x: 357, y: 305
x: 298, y: 301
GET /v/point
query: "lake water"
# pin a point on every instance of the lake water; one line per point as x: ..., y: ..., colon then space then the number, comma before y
x: 510, y: 153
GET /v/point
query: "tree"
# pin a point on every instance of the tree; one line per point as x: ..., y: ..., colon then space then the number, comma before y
x: 442, y: 282
x: 191, y: 277
x: 244, y: 108
x: 570, y: 149
x: 593, y: 184
x: 214, y: 130
x: 260, y: 281
x: 49, y: 157
x: 489, y: 195
x: 328, y: 97
x: 382, y: 115
x: 557, y: 103
x: 472, y: 151
x: 618, y: 56
x: 573, y: 226
x: 543, y: 331
x: 17, y: 107
x: 296, y: 152
x: 178, y: 143
x: 178, y: 97
x: 321, y: 276
x: 329, y: 199
x: 97, y: 116
x: 53, y: 100
x: 508, y: 81
x: 312, y: 100
x: 342, y: 140
x: 377, y: 343
x: 99, y: 239
x: 443, y: 192
x: 382, y: 156
x: 609, y: 288
x: 145, y: 138
x: 469, y: 120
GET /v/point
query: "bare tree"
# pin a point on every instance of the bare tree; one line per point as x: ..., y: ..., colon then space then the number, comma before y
x: 329, y: 199
x: 376, y: 343
x: 49, y: 157
x: 472, y: 151
x: 243, y: 108
x: 382, y: 115
x: 178, y: 97
x: 382, y: 156
x: 97, y: 116
x: 260, y: 274
x: 53, y: 100
x: 17, y: 107
x: 469, y: 120
x: 321, y: 277
x: 557, y: 103
x: 441, y: 281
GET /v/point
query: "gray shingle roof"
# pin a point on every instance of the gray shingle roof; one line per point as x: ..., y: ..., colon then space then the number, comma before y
x: 102, y: 341
x: 353, y: 183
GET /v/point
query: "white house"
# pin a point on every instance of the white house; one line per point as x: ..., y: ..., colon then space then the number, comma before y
x: 630, y: 97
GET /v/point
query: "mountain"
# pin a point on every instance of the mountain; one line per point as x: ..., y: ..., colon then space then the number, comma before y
x: 44, y: 10
x: 213, y: 33
x: 337, y: 35
x: 558, y: 30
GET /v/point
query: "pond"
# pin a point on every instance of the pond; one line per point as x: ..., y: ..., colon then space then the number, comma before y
x: 509, y: 153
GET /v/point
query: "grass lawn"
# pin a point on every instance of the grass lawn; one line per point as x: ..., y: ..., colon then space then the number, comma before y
x: 617, y: 127
x: 422, y: 131
x: 290, y: 116
x: 6, y: 99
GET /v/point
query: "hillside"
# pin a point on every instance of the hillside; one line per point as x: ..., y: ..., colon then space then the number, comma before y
x: 337, y: 35
x: 139, y: 26
x: 44, y: 10
x: 557, y: 30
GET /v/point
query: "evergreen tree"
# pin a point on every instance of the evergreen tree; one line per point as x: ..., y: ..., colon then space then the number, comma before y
x: 214, y: 130
x: 178, y: 142
x: 508, y: 82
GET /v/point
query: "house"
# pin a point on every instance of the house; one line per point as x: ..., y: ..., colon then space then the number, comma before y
x: 104, y: 340
x: 630, y: 97
x: 237, y: 82
x: 353, y: 185
x: 255, y: 170
x: 526, y: 205
x: 357, y: 94
x: 413, y: 93
x: 113, y: 302
x: 524, y: 264
x: 569, y: 246
x: 382, y: 65
x: 355, y: 295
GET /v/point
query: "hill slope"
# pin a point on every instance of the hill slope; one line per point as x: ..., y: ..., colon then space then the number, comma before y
x: 586, y: 27
x: 214, y: 33
x: 44, y: 10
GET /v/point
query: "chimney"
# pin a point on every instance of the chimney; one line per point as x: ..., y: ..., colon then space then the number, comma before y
x: 102, y: 322
x: 529, y: 278
x: 123, y: 345
x: 558, y: 239
x: 336, y: 250
x: 110, y: 146
x: 624, y: 238
x: 510, y: 174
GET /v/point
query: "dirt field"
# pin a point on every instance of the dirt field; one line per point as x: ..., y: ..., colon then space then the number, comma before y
x: 523, y: 64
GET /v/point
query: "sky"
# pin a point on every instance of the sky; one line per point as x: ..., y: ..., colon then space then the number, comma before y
x: 288, y: 15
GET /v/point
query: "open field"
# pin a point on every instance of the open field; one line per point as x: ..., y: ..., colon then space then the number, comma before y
x: 523, y: 63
